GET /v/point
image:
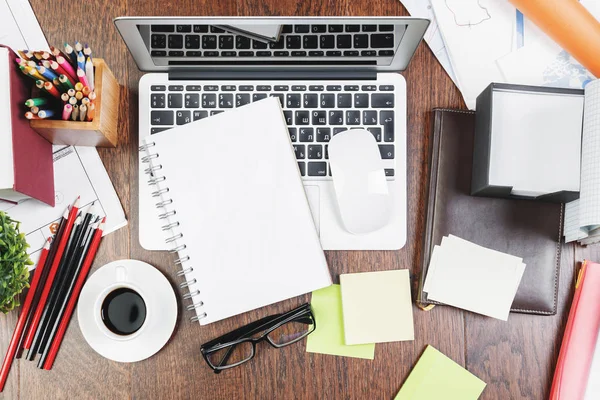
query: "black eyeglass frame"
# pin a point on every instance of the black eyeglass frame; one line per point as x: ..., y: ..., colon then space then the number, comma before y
x: 243, y: 335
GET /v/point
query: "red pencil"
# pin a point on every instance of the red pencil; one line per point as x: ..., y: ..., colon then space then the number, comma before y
x: 16, y: 337
x: 66, y: 318
x: 51, y: 274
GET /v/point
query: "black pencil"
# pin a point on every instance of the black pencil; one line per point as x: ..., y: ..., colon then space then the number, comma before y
x: 61, y: 282
x: 40, y: 329
x: 77, y: 263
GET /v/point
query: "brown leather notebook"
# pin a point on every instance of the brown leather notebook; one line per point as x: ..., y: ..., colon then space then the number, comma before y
x: 523, y: 228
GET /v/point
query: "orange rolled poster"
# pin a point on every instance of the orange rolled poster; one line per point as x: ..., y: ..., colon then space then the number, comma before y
x: 570, y: 25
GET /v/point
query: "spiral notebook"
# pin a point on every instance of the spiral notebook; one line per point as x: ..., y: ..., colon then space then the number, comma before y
x: 235, y: 211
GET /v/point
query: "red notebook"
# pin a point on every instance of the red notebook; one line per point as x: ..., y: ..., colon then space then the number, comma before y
x: 572, y: 379
x: 26, y: 165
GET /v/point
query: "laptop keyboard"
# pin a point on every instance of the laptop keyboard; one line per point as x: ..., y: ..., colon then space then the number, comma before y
x: 313, y: 113
x: 294, y: 41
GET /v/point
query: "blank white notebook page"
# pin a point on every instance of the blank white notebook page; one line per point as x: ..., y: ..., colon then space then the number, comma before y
x: 589, y: 205
x: 536, y: 141
x: 242, y: 210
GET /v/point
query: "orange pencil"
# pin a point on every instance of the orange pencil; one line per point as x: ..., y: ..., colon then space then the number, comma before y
x: 51, y: 89
x: 91, y: 112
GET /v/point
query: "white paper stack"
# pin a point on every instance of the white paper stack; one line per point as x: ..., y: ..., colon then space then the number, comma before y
x: 474, y: 278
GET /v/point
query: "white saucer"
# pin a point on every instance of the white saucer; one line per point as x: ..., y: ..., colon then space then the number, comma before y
x: 161, y: 310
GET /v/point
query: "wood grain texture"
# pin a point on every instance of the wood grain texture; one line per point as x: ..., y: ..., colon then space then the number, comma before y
x: 516, y: 358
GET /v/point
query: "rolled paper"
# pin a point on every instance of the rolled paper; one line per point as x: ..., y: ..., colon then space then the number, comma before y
x: 570, y: 25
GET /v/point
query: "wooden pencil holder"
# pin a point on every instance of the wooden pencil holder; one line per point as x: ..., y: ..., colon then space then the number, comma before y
x: 102, y: 131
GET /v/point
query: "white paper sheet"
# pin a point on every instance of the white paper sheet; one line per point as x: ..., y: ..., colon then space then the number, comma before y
x: 19, y: 28
x: 78, y: 171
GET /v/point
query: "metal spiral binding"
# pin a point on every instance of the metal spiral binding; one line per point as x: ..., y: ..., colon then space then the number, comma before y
x: 174, y: 240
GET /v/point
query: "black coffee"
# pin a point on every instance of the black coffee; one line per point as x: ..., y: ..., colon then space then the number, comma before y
x: 123, y: 311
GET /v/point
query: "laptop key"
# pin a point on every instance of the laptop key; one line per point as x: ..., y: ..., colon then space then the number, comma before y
x: 241, y: 99
x: 344, y: 100
x: 258, y: 96
x: 176, y: 88
x: 369, y: 28
x: 323, y: 134
x: 175, y: 53
x: 192, y: 41
x: 318, y: 28
x: 225, y: 100
x: 214, y: 29
x: 161, y: 117
x: 368, y: 88
x: 338, y: 130
x: 242, y: 42
x: 386, y: 118
x: 336, y: 117
x: 264, y: 54
x: 344, y: 41
x: 316, y: 88
x: 263, y: 88
x: 281, y: 53
x: 361, y: 41
x: 216, y: 112
x: 209, y: 42
x: 389, y: 172
x: 302, y: 119
x: 175, y: 41
x: 211, y: 88
x: 280, y: 97
x: 351, y: 53
x: 175, y: 100
x: 192, y: 100
x: 293, y: 101
x: 376, y: 132
x: 299, y: 88
x: 156, y: 130
x: 382, y: 100
x: 319, y: 117
x: 353, y: 117
x: 298, y: 54
x: 317, y: 168
x: 300, y: 151
x: 301, y: 28
x: 193, y: 53
x: 211, y: 54
x: 306, y: 135
x: 278, y: 44
x: 315, y: 152
x: 385, y: 53
x: 382, y: 40
x: 334, y: 88
x: 387, y: 151
x: 158, y: 88
x: 351, y: 88
x: 386, y: 88
x: 209, y: 100
x: 163, y: 28
x: 228, y: 88
x: 287, y: 29
x: 158, y: 41
x: 352, y: 28
x: 258, y: 45
x: 157, y: 100
x: 293, y: 134
x: 311, y: 41
x: 327, y: 41
x: 199, y: 114
x: 184, y: 28
x: 282, y: 88
x: 334, y: 53
x: 293, y: 42
x: 246, y: 88
x: 302, y: 168
x: 316, y: 53
x: 327, y: 100
x: 311, y: 100
x: 228, y: 54
x: 183, y: 117
x: 386, y: 28
x: 336, y: 28
x: 246, y: 54
x: 368, y: 53
x: 327, y: 156
x: 361, y: 100
x: 288, y: 115
x: 200, y: 28
x: 370, y: 117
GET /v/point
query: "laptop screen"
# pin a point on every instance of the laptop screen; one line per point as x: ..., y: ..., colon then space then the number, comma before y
x: 272, y: 44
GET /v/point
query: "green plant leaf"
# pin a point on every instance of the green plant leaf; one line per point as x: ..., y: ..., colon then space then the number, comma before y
x: 14, y: 262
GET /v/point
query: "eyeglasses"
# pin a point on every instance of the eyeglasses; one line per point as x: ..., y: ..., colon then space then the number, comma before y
x: 239, y: 346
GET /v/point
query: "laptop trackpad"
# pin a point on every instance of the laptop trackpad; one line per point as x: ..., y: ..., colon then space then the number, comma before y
x: 312, y: 194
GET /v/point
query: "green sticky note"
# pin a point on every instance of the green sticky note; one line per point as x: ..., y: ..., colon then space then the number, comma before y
x: 328, y: 338
x: 438, y: 377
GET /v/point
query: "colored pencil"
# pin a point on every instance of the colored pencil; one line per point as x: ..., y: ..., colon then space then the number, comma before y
x: 68, y: 312
x: 43, y: 114
x: 72, y: 100
x: 78, y: 95
x: 23, y: 54
x: 46, y: 73
x: 18, y: 332
x: 75, y: 112
x: 78, y: 47
x: 79, y: 86
x: 89, y: 73
x: 85, y: 101
x: 82, y: 112
x: 64, y: 97
x: 87, y: 51
x: 92, y: 96
x: 66, y: 81
x: 71, y: 92
x: 30, y: 115
x: 70, y: 52
x: 37, y: 101
x: 67, y: 67
x: 91, y: 112
x: 80, y: 60
x: 32, y: 328
x: 86, y: 90
x: 67, y: 110
x: 49, y: 87
x: 34, y: 109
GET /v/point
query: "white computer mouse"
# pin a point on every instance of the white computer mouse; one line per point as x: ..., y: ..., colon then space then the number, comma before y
x: 361, y: 188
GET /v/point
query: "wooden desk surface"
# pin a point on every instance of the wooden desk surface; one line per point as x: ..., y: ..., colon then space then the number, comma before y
x: 515, y: 358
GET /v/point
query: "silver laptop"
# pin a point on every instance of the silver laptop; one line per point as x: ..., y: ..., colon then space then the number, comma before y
x: 330, y: 74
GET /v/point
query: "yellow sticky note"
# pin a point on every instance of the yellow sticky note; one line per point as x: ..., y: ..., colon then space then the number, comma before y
x: 328, y: 337
x: 437, y: 377
x: 377, y: 307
